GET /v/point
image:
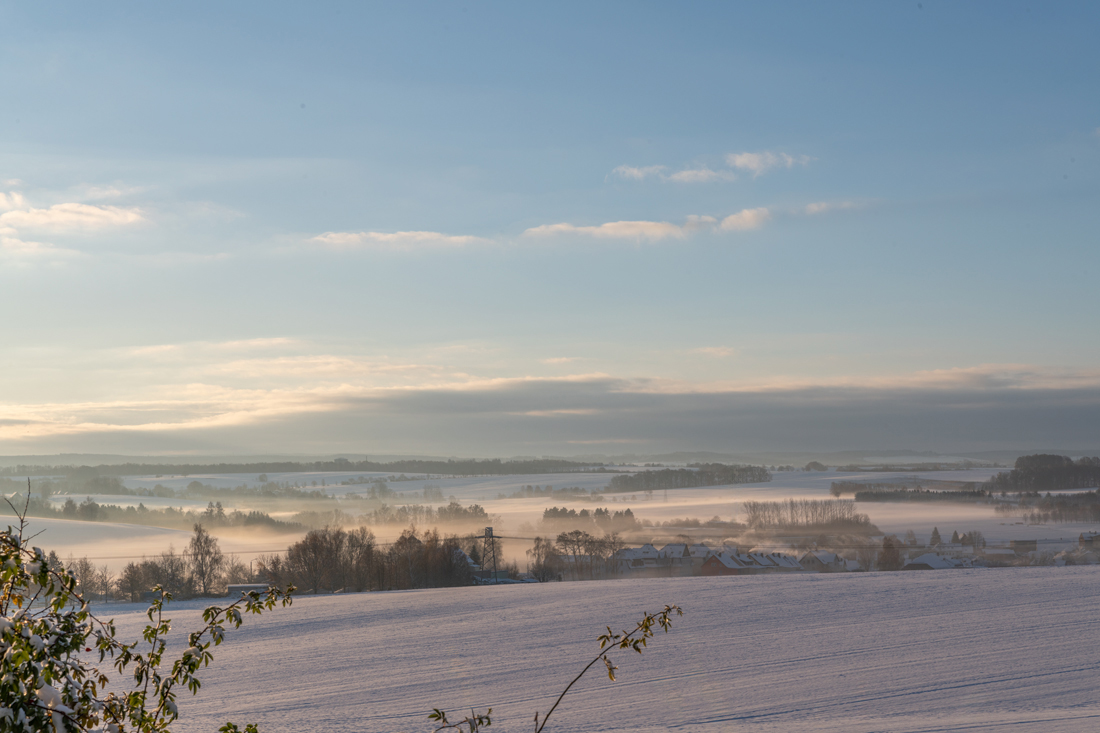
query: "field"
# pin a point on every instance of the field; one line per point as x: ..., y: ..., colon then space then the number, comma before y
x: 967, y: 650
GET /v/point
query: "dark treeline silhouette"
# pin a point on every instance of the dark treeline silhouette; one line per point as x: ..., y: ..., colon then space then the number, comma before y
x: 473, y: 467
x: 528, y: 492
x: 420, y: 514
x: 703, y: 474
x: 333, y: 559
x: 1045, y: 472
x: 113, y: 486
x: 1059, y: 508
x: 214, y: 515
x: 880, y: 495
x: 556, y: 519
x: 806, y: 514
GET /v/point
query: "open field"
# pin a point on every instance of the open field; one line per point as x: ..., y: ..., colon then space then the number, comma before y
x: 974, y: 650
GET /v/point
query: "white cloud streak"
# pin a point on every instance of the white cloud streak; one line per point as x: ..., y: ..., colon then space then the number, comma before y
x: 759, y: 163
x: 655, y: 230
x: 392, y: 240
x: 688, y: 175
x: 631, y: 173
x: 651, y: 230
x: 701, y: 175
x: 822, y: 207
x: 70, y: 217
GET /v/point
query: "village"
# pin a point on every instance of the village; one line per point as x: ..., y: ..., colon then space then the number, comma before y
x: 702, y: 559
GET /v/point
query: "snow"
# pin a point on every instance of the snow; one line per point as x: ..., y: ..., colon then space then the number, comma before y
x: 974, y: 650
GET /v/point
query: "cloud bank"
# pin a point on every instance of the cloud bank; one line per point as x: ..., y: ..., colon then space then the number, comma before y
x: 981, y: 408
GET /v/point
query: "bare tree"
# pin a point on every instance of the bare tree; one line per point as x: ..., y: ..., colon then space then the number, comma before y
x: 204, y: 560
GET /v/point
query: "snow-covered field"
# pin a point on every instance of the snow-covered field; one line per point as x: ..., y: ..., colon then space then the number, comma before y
x: 965, y: 650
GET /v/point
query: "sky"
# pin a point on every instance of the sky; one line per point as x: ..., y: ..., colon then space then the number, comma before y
x: 494, y: 229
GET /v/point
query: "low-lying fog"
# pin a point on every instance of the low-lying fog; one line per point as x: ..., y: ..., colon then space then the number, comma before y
x: 115, y: 544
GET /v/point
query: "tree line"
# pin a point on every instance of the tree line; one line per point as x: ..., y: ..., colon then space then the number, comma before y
x: 1047, y: 472
x: 838, y: 514
x: 574, y: 555
x: 337, y: 560
x: 214, y: 515
x: 1059, y: 508
x: 451, y: 467
x: 605, y: 520
x: 703, y: 474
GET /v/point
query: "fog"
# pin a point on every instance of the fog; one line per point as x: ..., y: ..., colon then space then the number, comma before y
x: 515, y: 519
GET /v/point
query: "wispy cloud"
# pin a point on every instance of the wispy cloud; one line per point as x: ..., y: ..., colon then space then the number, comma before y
x: 632, y: 173
x: 821, y: 207
x: 18, y: 251
x: 688, y: 175
x: 651, y: 230
x: 70, y: 217
x: 716, y: 351
x: 113, y: 191
x: 395, y: 240
x: 656, y: 230
x: 561, y: 359
x: 758, y: 163
x: 745, y: 219
x: 701, y: 175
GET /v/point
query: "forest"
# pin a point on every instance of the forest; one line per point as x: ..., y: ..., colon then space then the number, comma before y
x: 1046, y: 472
x: 703, y: 474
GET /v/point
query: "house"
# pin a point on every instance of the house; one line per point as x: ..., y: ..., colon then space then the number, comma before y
x: 777, y: 562
x: 637, y: 561
x: 1001, y: 555
x: 722, y: 563
x: 931, y: 561
x: 1022, y: 547
x: 1089, y: 540
x: 820, y: 561
x: 681, y: 559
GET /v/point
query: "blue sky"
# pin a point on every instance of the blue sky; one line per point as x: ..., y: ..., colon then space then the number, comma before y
x: 497, y: 229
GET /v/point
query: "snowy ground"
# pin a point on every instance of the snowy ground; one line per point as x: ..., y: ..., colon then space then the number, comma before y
x: 965, y: 650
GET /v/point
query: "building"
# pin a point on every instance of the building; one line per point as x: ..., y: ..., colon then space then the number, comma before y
x: 820, y: 561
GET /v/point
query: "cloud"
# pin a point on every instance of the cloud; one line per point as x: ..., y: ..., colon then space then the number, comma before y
x: 759, y: 163
x: 745, y: 219
x: 689, y: 175
x: 561, y: 359
x: 17, y: 251
x: 637, y: 174
x: 717, y: 351
x: 821, y: 207
x: 701, y: 175
x: 69, y: 217
x: 110, y: 192
x: 990, y: 407
x: 13, y: 200
x: 559, y: 413
x: 656, y: 230
x: 651, y: 230
x: 395, y: 240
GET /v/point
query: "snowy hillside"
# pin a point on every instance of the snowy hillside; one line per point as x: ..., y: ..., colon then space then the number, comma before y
x: 974, y: 650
